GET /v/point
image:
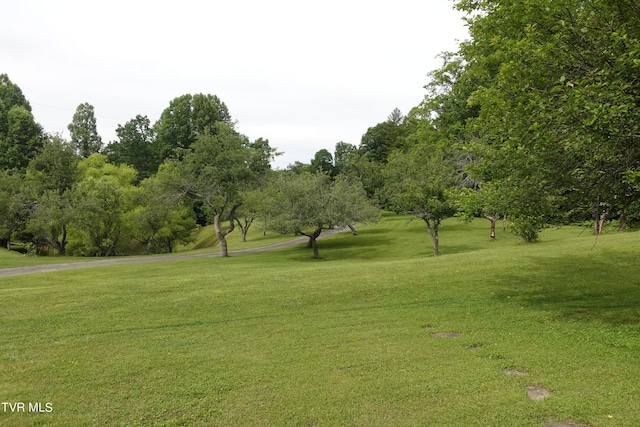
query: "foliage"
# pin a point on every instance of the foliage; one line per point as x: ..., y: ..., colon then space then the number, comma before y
x: 136, y: 147
x: 213, y: 172
x: 418, y: 183
x: 307, y: 203
x: 20, y: 136
x: 185, y: 119
x: 159, y: 225
x: 84, y: 131
x: 556, y: 94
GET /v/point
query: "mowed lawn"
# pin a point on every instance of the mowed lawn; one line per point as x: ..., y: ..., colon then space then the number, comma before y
x: 353, y: 339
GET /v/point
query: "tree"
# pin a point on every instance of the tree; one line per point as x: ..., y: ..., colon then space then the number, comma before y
x: 322, y: 162
x: 185, y: 119
x: 136, y: 147
x: 21, y: 137
x: 84, y: 131
x: 158, y: 225
x: 380, y: 140
x: 100, y: 200
x: 556, y: 129
x: 343, y: 156
x: 418, y: 183
x: 52, y: 173
x: 212, y: 173
x: 12, y: 206
x: 307, y: 203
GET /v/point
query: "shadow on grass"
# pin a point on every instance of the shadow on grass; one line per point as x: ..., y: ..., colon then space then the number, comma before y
x: 579, y: 288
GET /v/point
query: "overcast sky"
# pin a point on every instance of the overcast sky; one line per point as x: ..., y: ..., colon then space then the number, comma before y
x: 303, y: 74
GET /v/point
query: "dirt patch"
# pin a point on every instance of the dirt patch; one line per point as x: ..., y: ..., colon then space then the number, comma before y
x: 515, y: 373
x: 560, y: 424
x: 446, y: 335
x: 538, y: 393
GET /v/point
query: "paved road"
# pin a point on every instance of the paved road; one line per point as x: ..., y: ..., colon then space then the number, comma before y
x: 5, y: 272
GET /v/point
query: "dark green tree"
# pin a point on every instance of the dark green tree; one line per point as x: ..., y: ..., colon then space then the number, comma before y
x: 84, y: 131
x: 21, y: 137
x: 185, y: 119
x: 136, y: 146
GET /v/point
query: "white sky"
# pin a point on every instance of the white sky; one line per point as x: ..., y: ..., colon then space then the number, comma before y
x: 302, y: 74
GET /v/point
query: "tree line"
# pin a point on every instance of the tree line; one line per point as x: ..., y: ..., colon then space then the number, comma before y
x: 533, y: 118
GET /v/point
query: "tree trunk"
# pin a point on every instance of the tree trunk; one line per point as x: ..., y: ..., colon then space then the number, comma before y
x: 313, y: 243
x: 62, y: 249
x: 149, y: 244
x: 433, y: 231
x: 493, y: 219
x: 599, y: 222
x: 222, y: 234
x: 623, y: 221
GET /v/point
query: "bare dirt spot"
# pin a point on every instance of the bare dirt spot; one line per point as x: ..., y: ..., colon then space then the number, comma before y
x: 446, y: 335
x: 560, y: 424
x: 537, y: 393
x: 515, y: 373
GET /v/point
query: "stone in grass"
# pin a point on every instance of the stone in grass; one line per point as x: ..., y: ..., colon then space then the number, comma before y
x: 537, y: 393
x: 515, y: 373
x: 446, y: 335
x: 560, y: 424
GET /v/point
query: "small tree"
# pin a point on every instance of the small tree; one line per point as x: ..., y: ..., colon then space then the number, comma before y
x: 308, y: 203
x: 418, y: 183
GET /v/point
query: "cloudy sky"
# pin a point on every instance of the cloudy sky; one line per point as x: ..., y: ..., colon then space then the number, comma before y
x: 303, y: 74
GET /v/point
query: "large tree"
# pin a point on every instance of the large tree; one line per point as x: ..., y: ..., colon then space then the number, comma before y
x: 212, y: 173
x: 308, y: 203
x: 52, y: 174
x: 21, y: 138
x: 185, y: 119
x: 556, y: 129
x: 136, y: 146
x: 84, y: 131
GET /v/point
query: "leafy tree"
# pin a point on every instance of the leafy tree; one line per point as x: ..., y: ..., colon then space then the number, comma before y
x: 52, y: 173
x: 136, y: 147
x: 84, y: 131
x: 322, y: 162
x: 157, y: 224
x: 380, y: 140
x: 308, y: 203
x: 185, y: 119
x: 556, y: 118
x: 212, y: 173
x: 55, y: 167
x: 100, y: 200
x: 343, y: 155
x: 20, y: 136
x: 418, y: 182
x: 13, y: 209
x: 50, y: 219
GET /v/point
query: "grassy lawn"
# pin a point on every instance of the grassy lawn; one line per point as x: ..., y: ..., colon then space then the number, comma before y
x: 278, y: 338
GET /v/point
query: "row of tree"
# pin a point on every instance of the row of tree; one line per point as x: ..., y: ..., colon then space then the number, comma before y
x: 533, y: 117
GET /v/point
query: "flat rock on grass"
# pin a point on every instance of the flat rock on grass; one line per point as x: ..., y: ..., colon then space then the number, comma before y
x: 537, y: 393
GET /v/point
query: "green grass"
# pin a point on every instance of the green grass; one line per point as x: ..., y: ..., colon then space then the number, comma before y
x: 278, y: 338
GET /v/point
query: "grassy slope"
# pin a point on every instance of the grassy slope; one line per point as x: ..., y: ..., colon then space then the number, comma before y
x: 281, y: 339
